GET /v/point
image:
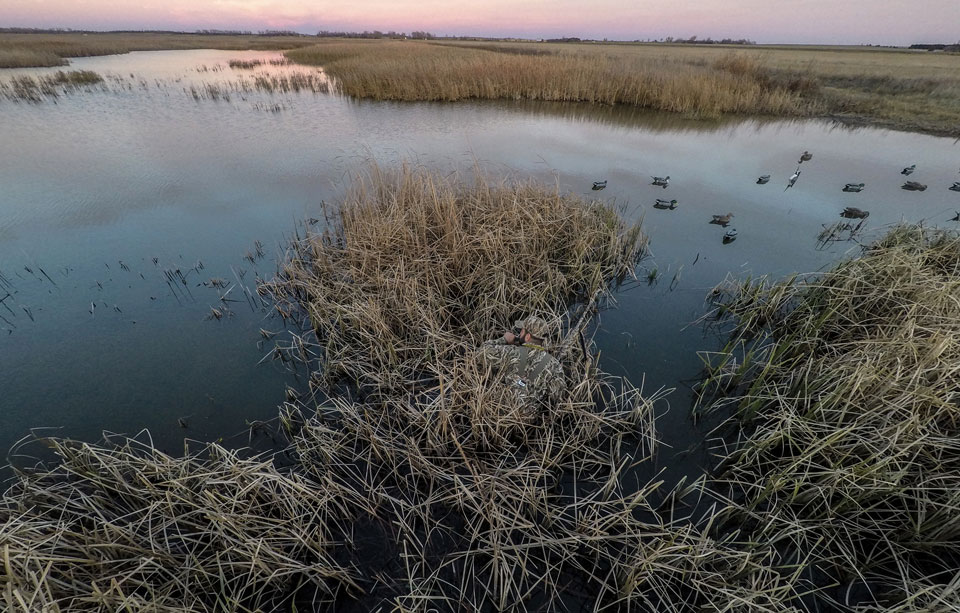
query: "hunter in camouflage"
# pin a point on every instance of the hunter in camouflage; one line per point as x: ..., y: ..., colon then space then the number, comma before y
x: 524, y: 363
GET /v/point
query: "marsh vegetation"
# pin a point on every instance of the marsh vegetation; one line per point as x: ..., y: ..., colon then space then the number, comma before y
x: 409, y: 479
x: 909, y: 90
x: 25, y: 50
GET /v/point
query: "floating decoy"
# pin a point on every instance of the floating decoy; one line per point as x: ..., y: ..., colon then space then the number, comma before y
x: 598, y: 185
x: 729, y: 236
x: 665, y: 204
x: 956, y: 217
x: 853, y: 187
x: 722, y: 220
x: 793, y: 179
x: 805, y: 157
x: 914, y: 186
x: 852, y: 212
x: 662, y: 181
x: 909, y: 169
x: 763, y: 180
x: 955, y: 187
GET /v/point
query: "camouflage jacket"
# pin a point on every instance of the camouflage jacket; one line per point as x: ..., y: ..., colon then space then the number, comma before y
x: 529, y: 368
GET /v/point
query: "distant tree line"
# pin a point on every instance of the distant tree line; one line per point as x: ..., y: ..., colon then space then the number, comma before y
x: 954, y: 48
x: 693, y: 40
x: 376, y: 34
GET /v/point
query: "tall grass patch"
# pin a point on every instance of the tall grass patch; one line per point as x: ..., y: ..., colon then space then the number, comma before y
x: 848, y: 396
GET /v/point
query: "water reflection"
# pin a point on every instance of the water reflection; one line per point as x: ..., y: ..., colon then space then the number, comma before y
x: 151, y: 177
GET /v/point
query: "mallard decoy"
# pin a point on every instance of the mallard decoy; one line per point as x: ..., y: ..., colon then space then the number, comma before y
x: 722, y: 220
x: 598, y: 185
x: 729, y: 236
x: 792, y: 180
x: 805, y: 157
x: 665, y: 204
x: 909, y: 169
x: 763, y: 180
x: 914, y: 186
x: 852, y: 212
x: 662, y: 181
x: 853, y: 187
x: 955, y: 187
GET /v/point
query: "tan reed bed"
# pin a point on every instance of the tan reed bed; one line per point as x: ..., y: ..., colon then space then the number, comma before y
x: 481, y: 503
x: 422, y: 71
x: 847, y: 393
x: 128, y: 528
x: 19, y: 50
x: 416, y: 268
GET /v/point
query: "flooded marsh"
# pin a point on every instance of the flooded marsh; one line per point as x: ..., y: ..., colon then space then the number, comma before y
x: 178, y: 251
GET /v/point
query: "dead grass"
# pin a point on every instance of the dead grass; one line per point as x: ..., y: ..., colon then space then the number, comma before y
x: 22, y: 50
x: 902, y: 89
x: 846, y: 391
x: 422, y: 71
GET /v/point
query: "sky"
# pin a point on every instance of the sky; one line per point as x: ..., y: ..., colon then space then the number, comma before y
x: 883, y: 22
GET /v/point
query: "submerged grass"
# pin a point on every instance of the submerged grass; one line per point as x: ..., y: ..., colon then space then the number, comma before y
x: 36, y: 89
x: 850, y: 405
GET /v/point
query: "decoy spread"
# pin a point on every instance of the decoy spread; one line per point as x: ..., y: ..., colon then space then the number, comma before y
x: 853, y: 187
x: 909, y: 169
x: 852, y: 212
x: 729, y: 235
x: 665, y: 204
x: 662, y: 181
x: 764, y: 179
x: 598, y: 185
x: 793, y: 179
x: 722, y: 220
x: 805, y: 157
x: 914, y: 186
x: 955, y: 187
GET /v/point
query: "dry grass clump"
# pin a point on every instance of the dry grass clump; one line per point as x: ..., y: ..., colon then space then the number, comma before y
x: 24, y: 58
x: 481, y: 506
x: 848, y: 394
x: 246, y: 64
x: 414, y: 270
x: 481, y: 502
x: 423, y: 71
x: 127, y: 528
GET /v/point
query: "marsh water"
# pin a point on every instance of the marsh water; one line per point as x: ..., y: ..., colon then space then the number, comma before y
x: 171, y: 166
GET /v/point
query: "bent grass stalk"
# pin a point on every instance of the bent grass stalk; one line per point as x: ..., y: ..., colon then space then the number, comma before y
x: 851, y: 454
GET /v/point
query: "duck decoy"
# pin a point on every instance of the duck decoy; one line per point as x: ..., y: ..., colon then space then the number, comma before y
x: 852, y: 212
x: 763, y: 180
x: 793, y: 179
x: 805, y: 157
x: 955, y: 187
x: 909, y: 169
x: 853, y: 187
x: 598, y: 185
x: 722, y: 220
x: 956, y: 217
x: 913, y: 186
x: 729, y: 236
x: 665, y: 204
x: 662, y: 181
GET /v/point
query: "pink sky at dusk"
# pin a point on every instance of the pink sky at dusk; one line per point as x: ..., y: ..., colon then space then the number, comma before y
x: 897, y: 22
